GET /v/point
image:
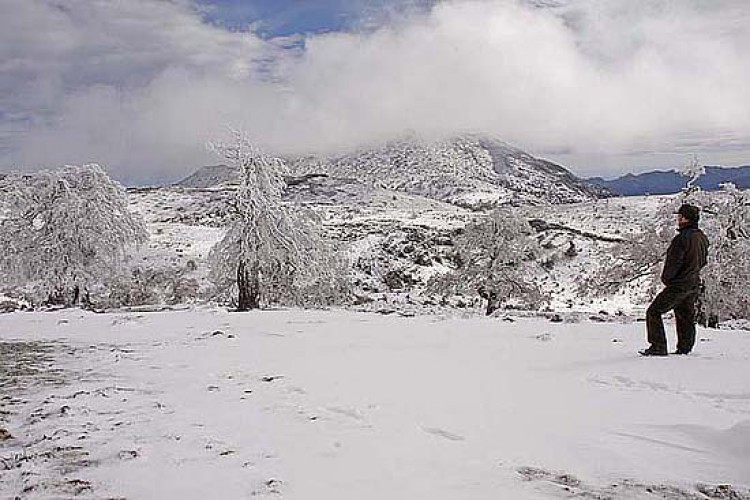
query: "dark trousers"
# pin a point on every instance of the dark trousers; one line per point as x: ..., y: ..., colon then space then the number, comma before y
x: 682, y: 301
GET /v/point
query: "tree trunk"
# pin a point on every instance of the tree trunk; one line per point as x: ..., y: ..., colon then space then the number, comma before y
x: 248, y: 283
x: 81, y: 297
x: 491, y: 303
x: 491, y: 297
x: 703, y: 315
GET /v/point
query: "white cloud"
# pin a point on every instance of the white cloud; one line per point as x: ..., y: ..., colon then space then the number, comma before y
x: 601, y: 85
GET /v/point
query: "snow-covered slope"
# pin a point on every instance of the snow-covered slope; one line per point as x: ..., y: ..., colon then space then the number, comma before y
x: 472, y: 170
x: 397, y: 241
x: 209, y: 176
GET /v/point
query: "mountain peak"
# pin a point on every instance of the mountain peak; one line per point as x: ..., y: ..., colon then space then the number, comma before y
x: 472, y: 170
x: 210, y: 176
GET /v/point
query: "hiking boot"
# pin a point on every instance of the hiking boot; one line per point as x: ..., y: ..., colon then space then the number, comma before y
x: 651, y: 351
x: 681, y: 352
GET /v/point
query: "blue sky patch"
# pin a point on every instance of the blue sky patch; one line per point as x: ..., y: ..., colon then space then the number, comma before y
x: 279, y: 17
x: 273, y: 18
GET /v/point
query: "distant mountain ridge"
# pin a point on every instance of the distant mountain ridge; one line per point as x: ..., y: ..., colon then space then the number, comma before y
x: 668, y: 182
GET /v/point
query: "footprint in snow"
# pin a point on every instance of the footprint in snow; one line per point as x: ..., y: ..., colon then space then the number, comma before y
x: 353, y: 414
x: 443, y: 434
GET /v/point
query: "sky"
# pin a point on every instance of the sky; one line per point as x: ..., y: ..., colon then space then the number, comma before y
x: 603, y: 87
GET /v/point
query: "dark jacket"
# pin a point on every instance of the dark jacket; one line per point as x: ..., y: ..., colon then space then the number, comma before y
x: 686, y: 256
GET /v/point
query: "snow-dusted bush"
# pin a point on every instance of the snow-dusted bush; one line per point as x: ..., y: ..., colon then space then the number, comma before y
x: 153, y: 286
x: 273, y: 252
x: 398, y: 258
x: 725, y: 218
x: 65, y: 233
x: 726, y: 222
x: 494, y: 255
x: 639, y: 259
x: 636, y: 261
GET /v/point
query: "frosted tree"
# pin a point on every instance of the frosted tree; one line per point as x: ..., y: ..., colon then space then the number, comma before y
x: 725, y: 218
x: 494, y: 256
x: 726, y: 222
x: 639, y: 259
x: 636, y: 261
x: 64, y: 233
x: 692, y: 171
x: 273, y: 252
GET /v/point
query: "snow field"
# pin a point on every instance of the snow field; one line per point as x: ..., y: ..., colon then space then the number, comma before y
x: 336, y: 404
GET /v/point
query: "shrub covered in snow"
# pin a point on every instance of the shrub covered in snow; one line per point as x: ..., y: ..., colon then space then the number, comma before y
x: 725, y: 218
x: 65, y: 234
x: 726, y: 222
x: 636, y: 260
x: 495, y: 255
x: 148, y: 286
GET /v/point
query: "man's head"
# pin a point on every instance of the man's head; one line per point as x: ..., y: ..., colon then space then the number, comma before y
x: 688, y: 214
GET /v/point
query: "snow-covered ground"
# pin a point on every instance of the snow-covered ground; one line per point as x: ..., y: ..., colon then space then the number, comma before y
x: 298, y: 404
x: 409, y: 236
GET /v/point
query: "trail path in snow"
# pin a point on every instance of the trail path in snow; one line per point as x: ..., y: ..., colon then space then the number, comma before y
x: 335, y: 404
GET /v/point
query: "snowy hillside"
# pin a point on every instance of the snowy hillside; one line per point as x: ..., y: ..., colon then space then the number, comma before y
x: 397, y: 241
x: 473, y: 171
x: 210, y: 176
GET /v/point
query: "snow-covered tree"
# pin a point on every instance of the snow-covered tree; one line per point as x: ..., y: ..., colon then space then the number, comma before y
x: 273, y: 252
x: 692, y: 171
x: 639, y: 259
x: 725, y: 218
x: 64, y: 233
x: 726, y: 222
x: 726, y: 215
x: 494, y: 256
x: 636, y: 261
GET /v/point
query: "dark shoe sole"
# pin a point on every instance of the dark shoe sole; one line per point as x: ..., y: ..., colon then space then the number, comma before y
x: 651, y: 353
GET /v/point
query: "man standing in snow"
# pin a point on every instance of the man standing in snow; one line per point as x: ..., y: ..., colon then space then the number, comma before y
x: 686, y: 255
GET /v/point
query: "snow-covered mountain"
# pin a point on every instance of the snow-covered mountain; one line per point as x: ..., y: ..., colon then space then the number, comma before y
x: 210, y: 176
x: 472, y: 171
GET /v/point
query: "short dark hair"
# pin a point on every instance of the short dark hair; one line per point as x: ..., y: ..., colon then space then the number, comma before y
x: 690, y: 212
